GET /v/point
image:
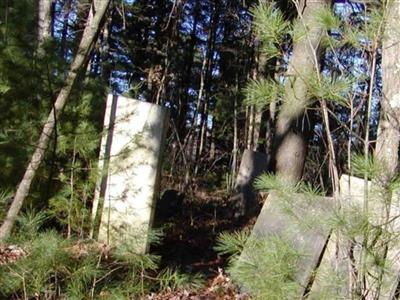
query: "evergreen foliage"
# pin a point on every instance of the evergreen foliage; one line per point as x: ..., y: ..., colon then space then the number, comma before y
x: 218, y: 65
x: 54, y: 268
x: 262, y: 92
x: 366, y: 233
x: 264, y: 267
x: 362, y: 228
x: 336, y: 90
x: 271, y: 27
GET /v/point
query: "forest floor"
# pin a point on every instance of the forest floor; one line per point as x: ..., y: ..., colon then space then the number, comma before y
x: 191, y: 228
x: 191, y: 225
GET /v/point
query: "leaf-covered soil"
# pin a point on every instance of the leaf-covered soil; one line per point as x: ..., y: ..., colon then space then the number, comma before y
x: 219, y: 287
x: 191, y: 228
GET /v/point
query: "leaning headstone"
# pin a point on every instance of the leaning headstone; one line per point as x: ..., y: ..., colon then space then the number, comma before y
x: 130, y: 163
x: 252, y: 165
x: 352, y: 189
x: 298, y: 220
x: 332, y: 279
x: 334, y: 272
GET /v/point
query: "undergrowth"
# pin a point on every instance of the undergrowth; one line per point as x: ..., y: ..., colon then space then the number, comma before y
x: 265, y: 268
x: 54, y: 267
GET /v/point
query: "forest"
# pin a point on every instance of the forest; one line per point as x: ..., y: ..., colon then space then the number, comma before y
x: 200, y: 149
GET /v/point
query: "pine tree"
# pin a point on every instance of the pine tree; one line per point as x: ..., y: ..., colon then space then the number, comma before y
x: 88, y: 38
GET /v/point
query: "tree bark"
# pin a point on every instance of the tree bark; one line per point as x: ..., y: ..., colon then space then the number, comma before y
x: 186, y: 78
x: 88, y: 38
x: 44, y: 21
x: 256, y: 113
x: 290, y: 146
x: 250, y: 130
x: 235, y: 147
x: 204, y: 91
x: 387, y: 144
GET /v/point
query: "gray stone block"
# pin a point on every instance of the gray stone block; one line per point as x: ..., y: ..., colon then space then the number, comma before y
x: 286, y: 218
x: 130, y: 165
x: 336, y: 260
x: 252, y: 165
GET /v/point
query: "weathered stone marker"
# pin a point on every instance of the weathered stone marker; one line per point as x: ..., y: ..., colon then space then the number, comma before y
x: 309, y: 239
x: 130, y: 162
x: 352, y: 190
x: 252, y: 165
x: 336, y: 258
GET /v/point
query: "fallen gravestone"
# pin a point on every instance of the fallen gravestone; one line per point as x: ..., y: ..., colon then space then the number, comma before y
x: 300, y: 221
x: 130, y: 161
x: 252, y: 165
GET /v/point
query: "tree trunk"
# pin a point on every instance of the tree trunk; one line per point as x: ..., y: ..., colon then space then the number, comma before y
x: 203, y: 130
x: 266, y: 68
x: 250, y: 130
x: 44, y: 21
x: 235, y: 147
x: 209, y: 63
x: 186, y: 79
x: 387, y: 144
x: 260, y: 62
x: 290, y: 146
x: 212, y: 141
x: 88, y: 38
x: 257, y: 127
